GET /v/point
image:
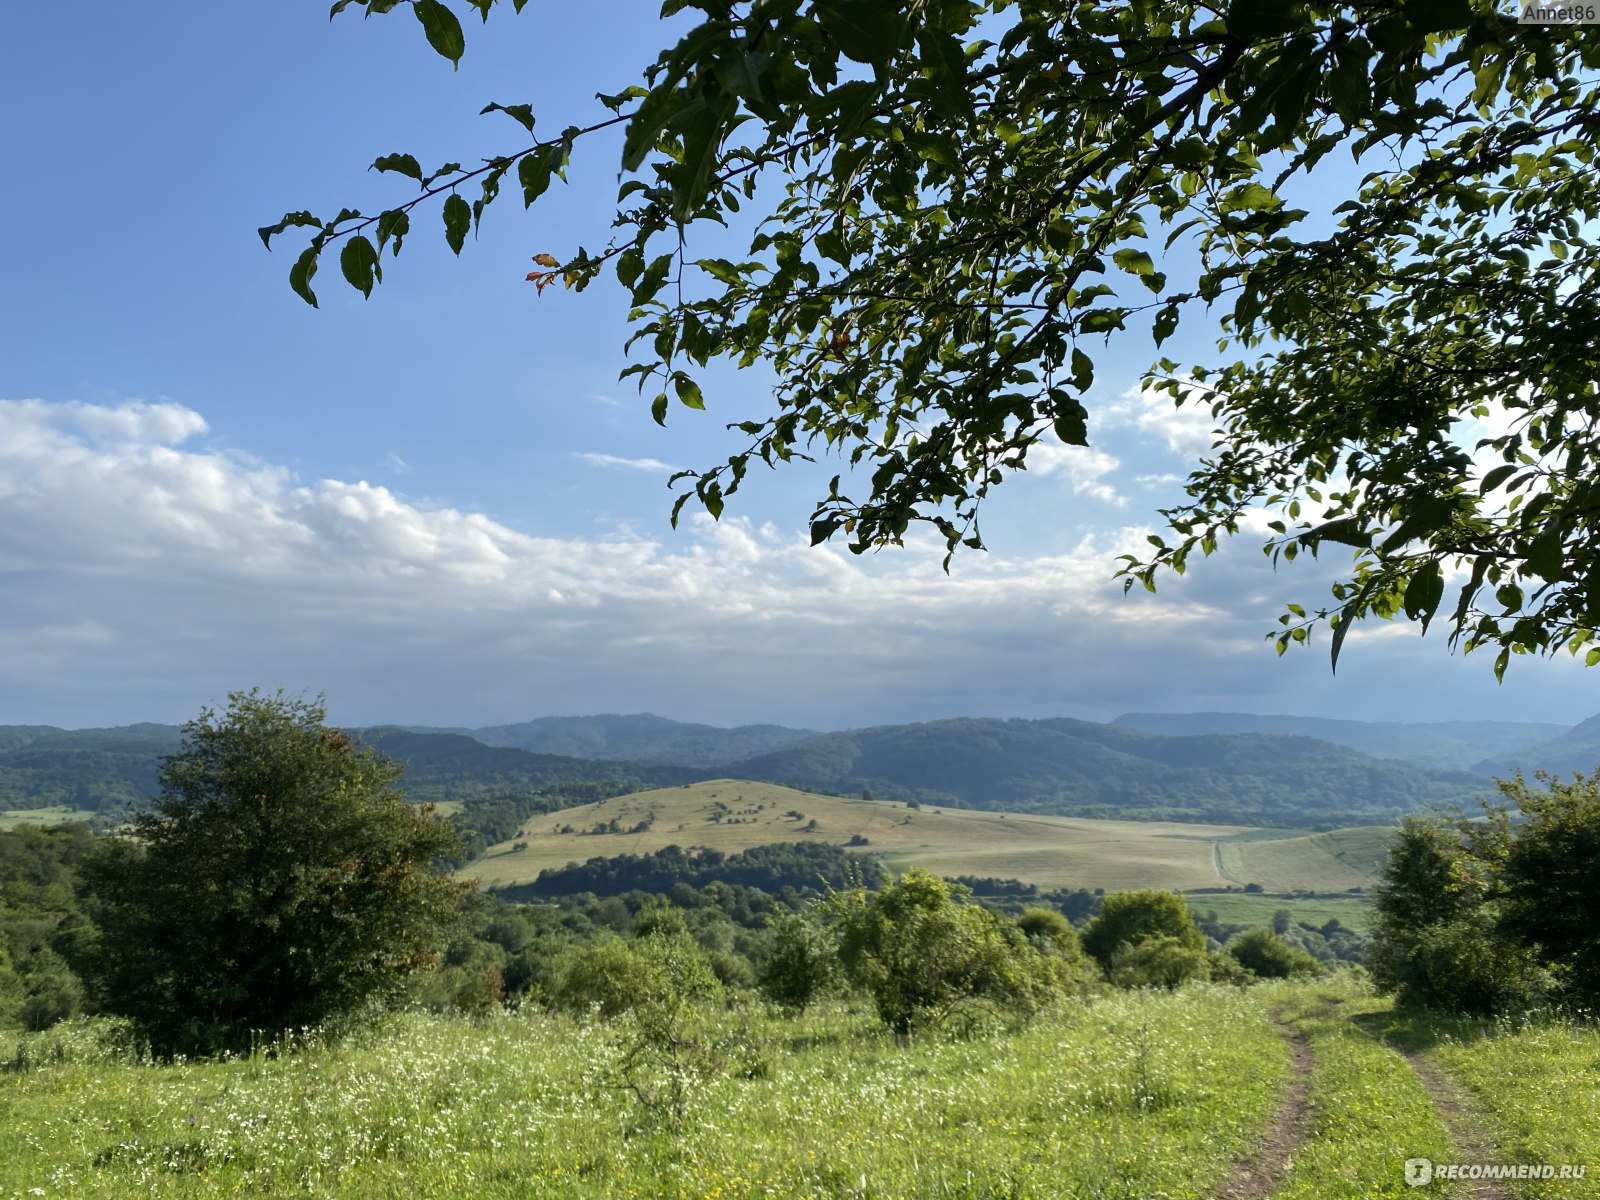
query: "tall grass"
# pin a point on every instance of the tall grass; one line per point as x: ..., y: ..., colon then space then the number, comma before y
x: 1127, y: 1097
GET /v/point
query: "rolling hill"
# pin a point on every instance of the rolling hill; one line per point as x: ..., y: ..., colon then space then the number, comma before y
x: 1575, y: 749
x: 640, y: 737
x: 1445, y: 745
x: 1080, y: 768
x: 732, y: 815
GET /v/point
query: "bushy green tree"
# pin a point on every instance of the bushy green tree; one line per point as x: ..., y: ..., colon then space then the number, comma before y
x: 1263, y: 952
x: 279, y: 881
x: 1159, y: 960
x: 919, y: 949
x: 1549, y: 879
x: 1128, y: 918
x: 800, y: 963
x: 1436, y: 938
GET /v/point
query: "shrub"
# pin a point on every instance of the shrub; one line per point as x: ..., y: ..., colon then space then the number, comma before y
x: 1157, y: 961
x: 1128, y: 918
x: 1265, y: 954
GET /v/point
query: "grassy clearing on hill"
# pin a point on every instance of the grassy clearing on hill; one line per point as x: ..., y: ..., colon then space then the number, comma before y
x: 1319, y: 862
x: 56, y: 814
x: 1053, y: 852
x: 1234, y: 908
x: 1133, y: 1095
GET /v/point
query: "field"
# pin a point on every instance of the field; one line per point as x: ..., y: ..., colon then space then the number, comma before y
x: 1300, y: 1092
x: 1233, y: 908
x: 1053, y: 852
x: 10, y: 818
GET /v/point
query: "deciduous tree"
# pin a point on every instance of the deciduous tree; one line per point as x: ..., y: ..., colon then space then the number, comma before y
x: 279, y: 881
x: 961, y: 204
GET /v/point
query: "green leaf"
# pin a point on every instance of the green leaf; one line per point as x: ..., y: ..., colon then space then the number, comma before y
x: 300, y: 275
x: 1496, y: 477
x: 1166, y: 322
x: 457, y: 220
x: 533, y: 172
x: 402, y: 164
x: 1424, y: 590
x: 658, y: 408
x: 1252, y: 20
x: 868, y: 31
x: 1136, y: 262
x: 359, y: 262
x: 689, y: 392
x: 442, y: 29
x: 702, y: 128
x: 268, y: 232
x: 522, y: 114
x: 1082, y: 370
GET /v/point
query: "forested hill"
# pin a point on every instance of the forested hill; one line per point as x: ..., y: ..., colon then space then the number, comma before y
x: 1575, y: 749
x: 639, y: 737
x: 1448, y: 745
x: 1075, y: 768
x: 105, y: 770
x: 1079, y: 768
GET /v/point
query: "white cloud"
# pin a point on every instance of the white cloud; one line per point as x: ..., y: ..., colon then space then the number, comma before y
x: 1187, y: 431
x: 140, y: 579
x: 396, y: 464
x: 625, y: 464
x: 1084, y: 468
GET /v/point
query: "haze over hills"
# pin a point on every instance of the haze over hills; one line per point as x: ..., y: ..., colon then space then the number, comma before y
x: 1446, y: 745
x: 1575, y: 749
x: 1209, y: 767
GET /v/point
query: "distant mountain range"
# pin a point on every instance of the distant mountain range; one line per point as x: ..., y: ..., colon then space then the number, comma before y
x: 1220, y: 767
x: 641, y: 737
x: 1482, y: 747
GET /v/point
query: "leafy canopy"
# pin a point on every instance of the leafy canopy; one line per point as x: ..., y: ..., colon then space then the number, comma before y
x: 967, y: 201
x: 279, y: 881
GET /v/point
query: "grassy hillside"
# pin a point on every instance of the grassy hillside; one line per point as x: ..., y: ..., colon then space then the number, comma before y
x: 1304, y: 1092
x: 732, y: 815
x: 1235, y: 908
x: 10, y: 818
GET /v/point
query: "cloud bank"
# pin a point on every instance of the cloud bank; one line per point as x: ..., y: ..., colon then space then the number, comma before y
x: 144, y: 573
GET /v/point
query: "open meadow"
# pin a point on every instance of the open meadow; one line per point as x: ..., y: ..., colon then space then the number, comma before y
x: 1053, y: 852
x: 1205, y: 1091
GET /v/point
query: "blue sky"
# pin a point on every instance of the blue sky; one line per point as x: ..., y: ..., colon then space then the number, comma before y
x: 438, y: 505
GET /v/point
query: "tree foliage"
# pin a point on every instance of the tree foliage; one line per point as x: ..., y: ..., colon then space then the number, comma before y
x: 1128, y: 918
x: 279, y: 881
x: 920, y: 950
x: 959, y: 206
x: 1264, y: 953
x: 1495, y: 914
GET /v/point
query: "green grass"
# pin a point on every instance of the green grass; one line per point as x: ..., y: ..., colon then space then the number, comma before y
x: 1130, y: 1096
x: 57, y: 814
x: 732, y: 815
x: 1369, y: 1111
x: 1234, y: 908
x: 1536, y: 1086
x: 1320, y: 862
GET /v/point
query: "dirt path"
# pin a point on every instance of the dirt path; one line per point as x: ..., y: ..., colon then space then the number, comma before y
x: 1263, y: 1170
x: 1473, y: 1143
